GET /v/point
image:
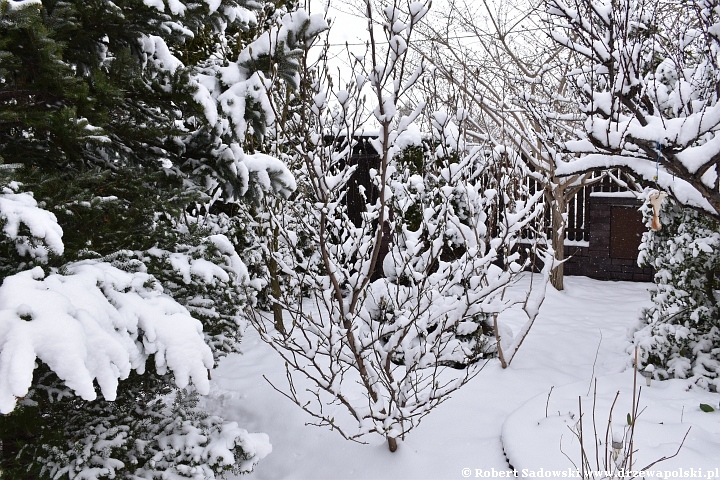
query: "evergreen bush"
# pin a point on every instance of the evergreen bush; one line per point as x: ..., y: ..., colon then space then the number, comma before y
x: 680, y: 333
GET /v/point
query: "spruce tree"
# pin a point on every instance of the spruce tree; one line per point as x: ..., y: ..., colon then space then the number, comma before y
x: 127, y: 133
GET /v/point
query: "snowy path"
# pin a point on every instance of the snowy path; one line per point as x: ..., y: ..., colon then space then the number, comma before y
x: 465, y: 431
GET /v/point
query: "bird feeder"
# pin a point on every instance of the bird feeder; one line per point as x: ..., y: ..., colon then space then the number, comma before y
x: 656, y: 198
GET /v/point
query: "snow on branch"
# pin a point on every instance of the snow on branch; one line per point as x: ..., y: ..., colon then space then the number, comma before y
x: 227, y: 89
x: 94, y: 323
x: 18, y: 210
x: 645, y: 74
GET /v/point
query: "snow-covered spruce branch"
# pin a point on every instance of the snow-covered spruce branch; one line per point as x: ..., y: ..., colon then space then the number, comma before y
x: 107, y: 330
x: 44, y: 235
x: 93, y: 323
x: 96, y: 324
x: 96, y: 321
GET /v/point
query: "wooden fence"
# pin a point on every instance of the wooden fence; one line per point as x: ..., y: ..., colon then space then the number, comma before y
x: 603, y: 228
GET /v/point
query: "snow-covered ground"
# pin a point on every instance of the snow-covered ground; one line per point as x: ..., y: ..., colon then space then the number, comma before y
x: 581, y: 334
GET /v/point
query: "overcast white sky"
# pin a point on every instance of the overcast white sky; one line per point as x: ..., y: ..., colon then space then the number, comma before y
x: 347, y: 26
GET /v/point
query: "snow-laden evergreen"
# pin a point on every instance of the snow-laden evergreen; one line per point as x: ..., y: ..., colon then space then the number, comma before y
x: 680, y: 333
x: 94, y: 323
x: 44, y: 235
x: 130, y: 132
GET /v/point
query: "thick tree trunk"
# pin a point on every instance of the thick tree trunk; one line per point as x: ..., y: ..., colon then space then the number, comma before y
x: 557, y: 236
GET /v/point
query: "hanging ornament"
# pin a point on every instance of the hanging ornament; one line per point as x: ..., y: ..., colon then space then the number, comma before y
x: 656, y: 198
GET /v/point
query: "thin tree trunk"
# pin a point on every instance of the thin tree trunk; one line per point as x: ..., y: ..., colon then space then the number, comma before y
x: 557, y: 236
x: 501, y: 354
x: 277, y: 308
x: 275, y: 284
